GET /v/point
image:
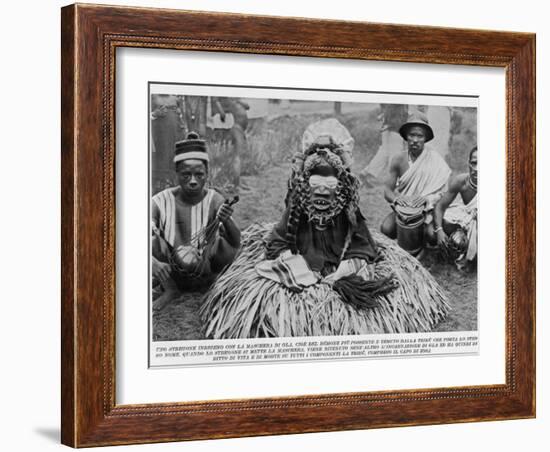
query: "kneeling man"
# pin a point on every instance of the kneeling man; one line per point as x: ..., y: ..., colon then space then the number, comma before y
x: 417, y: 179
x: 194, y: 236
x: 456, y: 222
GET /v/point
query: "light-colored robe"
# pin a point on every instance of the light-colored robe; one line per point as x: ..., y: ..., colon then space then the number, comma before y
x: 466, y: 217
x: 426, y: 177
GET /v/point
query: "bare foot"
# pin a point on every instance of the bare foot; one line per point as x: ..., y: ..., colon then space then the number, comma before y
x: 170, y: 294
x: 165, y: 299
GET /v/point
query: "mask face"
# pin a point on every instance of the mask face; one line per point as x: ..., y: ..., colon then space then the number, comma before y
x: 323, y: 191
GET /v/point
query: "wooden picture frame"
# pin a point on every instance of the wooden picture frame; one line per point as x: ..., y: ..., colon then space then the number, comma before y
x: 90, y: 37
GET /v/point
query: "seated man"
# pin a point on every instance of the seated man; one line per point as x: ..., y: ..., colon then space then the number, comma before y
x: 194, y: 236
x: 456, y: 222
x: 416, y: 178
x: 322, y: 236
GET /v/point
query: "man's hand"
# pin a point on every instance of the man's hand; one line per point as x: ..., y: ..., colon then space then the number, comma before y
x: 161, y: 270
x: 346, y: 268
x: 225, y: 212
x: 400, y: 201
x: 418, y: 201
x: 409, y: 201
x: 442, y: 241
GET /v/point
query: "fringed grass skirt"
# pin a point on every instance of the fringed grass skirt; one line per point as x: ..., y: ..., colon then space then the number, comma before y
x: 242, y: 304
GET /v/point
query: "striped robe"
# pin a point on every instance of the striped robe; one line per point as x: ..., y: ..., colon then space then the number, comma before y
x: 179, y: 224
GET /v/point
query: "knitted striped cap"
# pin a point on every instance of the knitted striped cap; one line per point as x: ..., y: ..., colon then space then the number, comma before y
x: 192, y: 148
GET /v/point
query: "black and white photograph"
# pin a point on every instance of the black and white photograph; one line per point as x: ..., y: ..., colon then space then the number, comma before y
x: 287, y: 217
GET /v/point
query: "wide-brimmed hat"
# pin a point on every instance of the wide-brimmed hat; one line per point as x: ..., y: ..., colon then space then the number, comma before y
x: 417, y: 119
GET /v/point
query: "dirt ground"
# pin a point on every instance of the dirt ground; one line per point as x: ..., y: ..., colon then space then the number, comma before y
x: 263, y: 200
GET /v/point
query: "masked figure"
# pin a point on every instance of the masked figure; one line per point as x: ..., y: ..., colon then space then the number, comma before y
x: 323, y: 236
